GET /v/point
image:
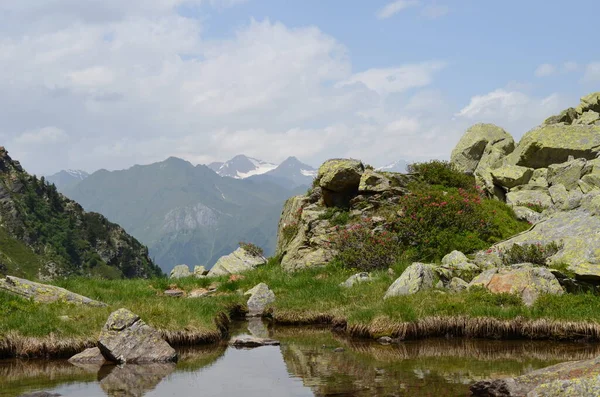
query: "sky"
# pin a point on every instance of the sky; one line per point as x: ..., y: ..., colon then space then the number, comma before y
x: 90, y: 84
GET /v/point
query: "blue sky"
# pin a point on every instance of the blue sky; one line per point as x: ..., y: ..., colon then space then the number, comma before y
x: 94, y: 84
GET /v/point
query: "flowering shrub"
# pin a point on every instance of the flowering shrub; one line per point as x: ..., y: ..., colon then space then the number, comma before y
x: 359, y: 247
x: 537, y: 253
x: 537, y: 207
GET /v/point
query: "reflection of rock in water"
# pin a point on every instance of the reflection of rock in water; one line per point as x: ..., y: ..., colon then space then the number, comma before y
x: 257, y: 327
x: 132, y: 380
x: 429, y: 367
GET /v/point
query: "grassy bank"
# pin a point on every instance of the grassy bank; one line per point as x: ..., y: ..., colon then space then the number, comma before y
x: 306, y: 297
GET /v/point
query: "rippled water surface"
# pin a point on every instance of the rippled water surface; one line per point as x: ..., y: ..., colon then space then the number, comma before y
x: 309, y: 362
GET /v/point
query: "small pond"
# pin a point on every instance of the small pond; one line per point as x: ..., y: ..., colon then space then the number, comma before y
x: 309, y: 362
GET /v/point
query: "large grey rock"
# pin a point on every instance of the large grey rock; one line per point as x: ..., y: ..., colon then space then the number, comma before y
x: 554, y: 144
x: 481, y: 141
x: 180, y: 271
x: 570, y: 379
x: 200, y: 271
x: 237, y: 262
x: 340, y: 175
x: 457, y: 285
x: 454, y: 258
x: 356, y: 279
x: 527, y: 214
x: 577, y: 230
x: 567, y: 174
x: 373, y: 182
x: 529, y: 197
x: 512, y: 175
x: 125, y: 338
x: 44, y: 293
x: 527, y: 281
x: 415, y: 278
x: 260, y: 298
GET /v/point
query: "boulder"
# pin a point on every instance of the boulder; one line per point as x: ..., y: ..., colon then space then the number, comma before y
x: 577, y: 230
x: 200, y: 271
x: 567, y: 174
x: 527, y: 281
x: 539, y: 177
x: 260, y: 297
x: 180, y: 271
x: 43, y: 293
x: 237, y: 262
x: 125, y: 338
x: 340, y: 175
x: 529, y: 197
x: 252, y: 341
x: 92, y: 355
x: 588, y: 118
x: 356, y: 279
x: 553, y: 144
x: 563, y: 199
x: 373, y: 182
x: 570, y: 379
x: 454, y: 258
x: 465, y: 270
x: 527, y: 214
x: 457, y: 285
x: 589, y: 102
x: 415, y: 278
x: 512, y: 175
x: 482, y: 142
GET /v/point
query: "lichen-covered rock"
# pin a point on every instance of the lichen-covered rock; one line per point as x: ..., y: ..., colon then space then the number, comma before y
x: 529, y: 197
x: 567, y: 174
x: 588, y: 118
x: 589, y: 102
x: 125, y: 338
x: 465, y: 270
x: 417, y: 277
x: 577, y: 231
x: 44, y: 293
x: 340, y: 175
x: 260, y: 298
x: 527, y: 281
x: 527, y: 214
x: 355, y: 279
x: 373, y: 182
x: 457, y: 284
x: 572, y: 379
x: 239, y: 261
x: 200, y: 271
x: 553, y: 144
x: 480, y: 141
x: 89, y: 356
x: 539, y: 177
x: 180, y: 271
x: 454, y: 258
x: 512, y: 175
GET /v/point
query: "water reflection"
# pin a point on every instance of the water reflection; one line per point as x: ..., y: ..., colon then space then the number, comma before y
x: 310, y: 362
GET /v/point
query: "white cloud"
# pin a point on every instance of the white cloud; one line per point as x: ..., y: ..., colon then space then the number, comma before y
x: 545, y: 70
x: 395, y: 7
x: 394, y: 80
x: 435, y: 11
x: 42, y: 136
x: 592, y: 73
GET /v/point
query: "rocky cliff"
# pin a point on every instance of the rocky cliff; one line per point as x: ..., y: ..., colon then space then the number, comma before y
x: 44, y: 235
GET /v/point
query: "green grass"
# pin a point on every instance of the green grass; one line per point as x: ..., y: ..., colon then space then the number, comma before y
x: 299, y: 295
x: 17, y: 258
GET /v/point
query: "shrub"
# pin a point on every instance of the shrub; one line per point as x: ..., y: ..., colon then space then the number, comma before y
x: 360, y: 248
x: 537, y: 207
x: 441, y: 173
x: 252, y: 249
x: 289, y: 231
x: 335, y: 216
x: 537, y: 254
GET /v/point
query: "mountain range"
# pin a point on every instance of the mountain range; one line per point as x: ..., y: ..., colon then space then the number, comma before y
x: 66, y: 178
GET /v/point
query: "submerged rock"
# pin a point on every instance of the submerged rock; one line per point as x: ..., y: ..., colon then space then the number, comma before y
x: 260, y: 297
x: 527, y: 281
x: 125, y: 338
x: 252, y: 341
x: 415, y: 278
x: 237, y: 262
x: 572, y: 379
x: 44, y: 293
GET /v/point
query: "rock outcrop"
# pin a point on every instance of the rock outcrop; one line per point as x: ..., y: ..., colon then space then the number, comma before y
x: 527, y: 281
x: 125, y: 338
x: 180, y: 271
x: 572, y: 379
x: 44, y: 293
x: 237, y: 262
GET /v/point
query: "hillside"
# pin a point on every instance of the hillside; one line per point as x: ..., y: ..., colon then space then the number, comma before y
x: 184, y: 213
x: 43, y: 234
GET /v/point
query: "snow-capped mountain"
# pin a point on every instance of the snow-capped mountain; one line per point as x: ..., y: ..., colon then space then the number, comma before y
x: 398, y: 166
x: 291, y: 173
x: 241, y: 167
x: 67, y: 178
